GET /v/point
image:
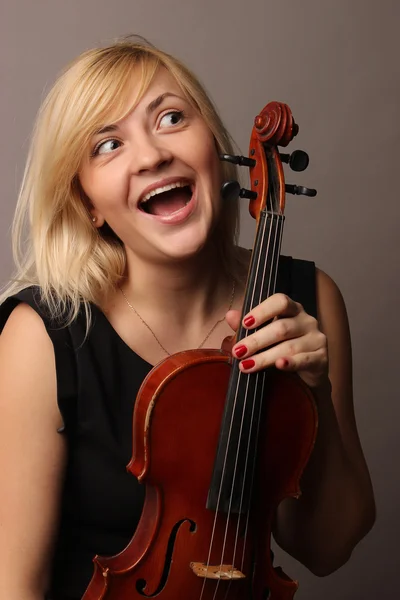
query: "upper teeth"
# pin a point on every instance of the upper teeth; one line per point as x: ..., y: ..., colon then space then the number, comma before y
x: 165, y: 188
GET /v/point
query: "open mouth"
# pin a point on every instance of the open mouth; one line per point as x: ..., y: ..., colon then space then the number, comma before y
x: 167, y: 200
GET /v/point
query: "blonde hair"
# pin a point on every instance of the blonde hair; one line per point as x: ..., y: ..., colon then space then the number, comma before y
x: 71, y: 261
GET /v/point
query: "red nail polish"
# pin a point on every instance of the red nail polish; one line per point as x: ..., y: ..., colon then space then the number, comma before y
x: 248, y: 364
x: 249, y: 321
x: 240, y: 351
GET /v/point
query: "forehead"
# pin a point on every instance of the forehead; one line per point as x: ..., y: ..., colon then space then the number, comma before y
x: 142, y: 93
x: 165, y: 81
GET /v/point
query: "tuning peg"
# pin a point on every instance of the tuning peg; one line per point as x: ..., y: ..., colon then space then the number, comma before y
x: 248, y: 194
x: 243, y: 161
x: 299, y: 190
x: 231, y: 190
x: 298, y: 160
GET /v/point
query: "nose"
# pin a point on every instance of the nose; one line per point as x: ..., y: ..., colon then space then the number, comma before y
x: 150, y: 154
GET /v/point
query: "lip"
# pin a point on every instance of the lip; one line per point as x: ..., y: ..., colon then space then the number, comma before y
x: 177, y: 217
x: 180, y: 215
x: 162, y: 183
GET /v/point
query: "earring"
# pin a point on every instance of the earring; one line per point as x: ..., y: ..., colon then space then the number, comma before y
x: 94, y: 219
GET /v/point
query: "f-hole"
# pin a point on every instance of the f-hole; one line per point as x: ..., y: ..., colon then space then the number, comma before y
x: 142, y: 583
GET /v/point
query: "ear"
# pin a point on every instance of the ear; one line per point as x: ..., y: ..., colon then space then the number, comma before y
x: 95, y: 215
x: 97, y: 218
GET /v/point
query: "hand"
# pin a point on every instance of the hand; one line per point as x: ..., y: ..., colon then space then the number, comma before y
x: 291, y: 340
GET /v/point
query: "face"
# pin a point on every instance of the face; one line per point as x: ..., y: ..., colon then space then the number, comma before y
x: 155, y: 176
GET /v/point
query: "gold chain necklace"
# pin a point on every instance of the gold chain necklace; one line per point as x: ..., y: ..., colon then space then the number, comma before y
x: 154, y: 335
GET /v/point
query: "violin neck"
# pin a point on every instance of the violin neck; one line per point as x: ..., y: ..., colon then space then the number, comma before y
x: 263, y: 271
x: 231, y: 483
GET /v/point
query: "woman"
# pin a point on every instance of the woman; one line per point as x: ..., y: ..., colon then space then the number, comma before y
x: 131, y: 257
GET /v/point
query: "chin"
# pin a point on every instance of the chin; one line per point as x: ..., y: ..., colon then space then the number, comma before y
x: 188, y: 244
x: 184, y: 252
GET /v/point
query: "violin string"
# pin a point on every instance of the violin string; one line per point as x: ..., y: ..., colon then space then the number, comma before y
x: 246, y: 395
x: 258, y: 393
x: 279, y: 234
x: 248, y: 448
x: 258, y: 376
x: 260, y: 383
x: 223, y: 471
x: 259, y: 387
x: 233, y: 485
x: 220, y: 491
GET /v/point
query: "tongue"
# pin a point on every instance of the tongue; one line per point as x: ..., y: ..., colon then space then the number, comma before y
x: 168, y: 202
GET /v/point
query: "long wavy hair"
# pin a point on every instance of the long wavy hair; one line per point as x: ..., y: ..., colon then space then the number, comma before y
x: 55, y: 245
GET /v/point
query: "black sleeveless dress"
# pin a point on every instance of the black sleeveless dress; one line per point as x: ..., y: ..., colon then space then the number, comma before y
x: 98, y: 379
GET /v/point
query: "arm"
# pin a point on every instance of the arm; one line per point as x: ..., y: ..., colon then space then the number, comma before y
x: 32, y: 456
x: 336, y: 508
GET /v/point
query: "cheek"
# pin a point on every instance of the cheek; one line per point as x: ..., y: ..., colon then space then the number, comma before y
x: 103, y: 188
x: 216, y: 172
x: 209, y: 161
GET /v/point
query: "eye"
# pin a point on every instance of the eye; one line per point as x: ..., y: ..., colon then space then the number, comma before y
x: 106, y: 147
x: 172, y: 118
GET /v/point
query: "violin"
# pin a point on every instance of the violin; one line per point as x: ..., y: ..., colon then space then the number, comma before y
x: 240, y: 441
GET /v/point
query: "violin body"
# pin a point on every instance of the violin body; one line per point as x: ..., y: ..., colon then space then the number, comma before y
x: 181, y: 549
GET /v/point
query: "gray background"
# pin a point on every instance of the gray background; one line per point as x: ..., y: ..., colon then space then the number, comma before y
x: 336, y: 63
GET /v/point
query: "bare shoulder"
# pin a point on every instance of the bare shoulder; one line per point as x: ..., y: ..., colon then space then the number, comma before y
x: 333, y: 322
x: 330, y: 302
x: 26, y: 351
x: 24, y: 321
x: 33, y: 453
x: 27, y: 362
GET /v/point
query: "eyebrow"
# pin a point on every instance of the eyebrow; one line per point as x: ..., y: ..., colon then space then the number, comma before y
x: 154, y: 104
x: 159, y: 100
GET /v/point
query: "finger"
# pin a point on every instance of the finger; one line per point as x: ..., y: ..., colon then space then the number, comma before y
x: 316, y: 361
x: 279, y: 330
x: 304, y: 346
x: 278, y: 305
x: 232, y: 317
x: 311, y: 367
x: 311, y: 362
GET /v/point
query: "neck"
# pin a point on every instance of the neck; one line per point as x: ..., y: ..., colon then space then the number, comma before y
x: 188, y: 293
x: 169, y: 308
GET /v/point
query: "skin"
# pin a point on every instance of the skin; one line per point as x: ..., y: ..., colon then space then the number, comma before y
x: 180, y: 290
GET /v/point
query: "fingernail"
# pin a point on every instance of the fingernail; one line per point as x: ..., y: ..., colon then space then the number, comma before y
x: 249, y: 321
x: 248, y: 364
x: 240, y: 351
